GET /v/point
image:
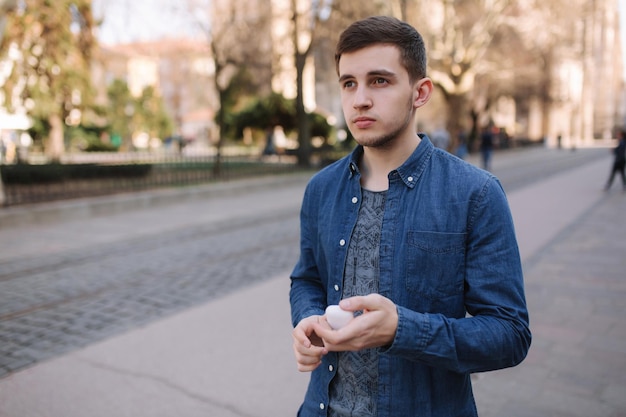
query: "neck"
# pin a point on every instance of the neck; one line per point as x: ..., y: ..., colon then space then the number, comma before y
x: 378, y: 162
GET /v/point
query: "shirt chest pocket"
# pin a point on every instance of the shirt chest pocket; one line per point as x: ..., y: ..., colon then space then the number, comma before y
x: 435, y: 264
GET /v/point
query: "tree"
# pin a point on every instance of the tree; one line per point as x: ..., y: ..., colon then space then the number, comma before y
x: 120, y: 111
x: 554, y: 45
x: 242, y: 37
x: 458, y: 36
x: 51, y: 76
x: 128, y: 115
x: 306, y: 20
x: 150, y: 115
x: 235, y: 97
x: 239, y: 37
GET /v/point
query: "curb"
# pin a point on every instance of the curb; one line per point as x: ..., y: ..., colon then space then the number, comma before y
x: 84, y: 208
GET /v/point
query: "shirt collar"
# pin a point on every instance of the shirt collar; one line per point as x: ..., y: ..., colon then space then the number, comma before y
x: 410, y: 171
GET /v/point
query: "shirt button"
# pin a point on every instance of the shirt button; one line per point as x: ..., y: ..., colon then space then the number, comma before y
x: 410, y: 179
x: 342, y: 242
x: 354, y: 200
x: 336, y: 287
x: 330, y: 368
x: 322, y: 406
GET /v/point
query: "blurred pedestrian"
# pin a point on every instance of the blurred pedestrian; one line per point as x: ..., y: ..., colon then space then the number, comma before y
x: 270, y: 148
x: 441, y: 138
x: 461, y: 145
x: 417, y: 244
x: 486, y: 147
x: 619, y: 162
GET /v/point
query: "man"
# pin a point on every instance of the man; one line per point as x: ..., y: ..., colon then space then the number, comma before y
x: 441, y: 138
x: 486, y: 146
x: 619, y: 162
x: 417, y: 243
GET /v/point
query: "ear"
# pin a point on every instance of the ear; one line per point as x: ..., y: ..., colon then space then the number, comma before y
x: 423, y: 90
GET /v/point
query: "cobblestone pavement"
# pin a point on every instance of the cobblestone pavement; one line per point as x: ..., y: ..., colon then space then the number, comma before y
x: 87, y: 288
x: 53, y: 303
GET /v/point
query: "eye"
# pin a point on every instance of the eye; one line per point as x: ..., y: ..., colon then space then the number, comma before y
x: 380, y: 81
x: 348, y: 84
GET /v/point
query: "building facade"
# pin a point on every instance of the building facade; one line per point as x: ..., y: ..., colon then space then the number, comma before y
x: 180, y: 70
x: 588, y: 80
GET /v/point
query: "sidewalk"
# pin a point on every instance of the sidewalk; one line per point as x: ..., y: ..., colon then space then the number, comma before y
x: 572, y: 238
x: 232, y: 357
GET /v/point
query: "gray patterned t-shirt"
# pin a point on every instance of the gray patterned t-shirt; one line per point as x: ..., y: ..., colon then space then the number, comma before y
x: 354, y: 388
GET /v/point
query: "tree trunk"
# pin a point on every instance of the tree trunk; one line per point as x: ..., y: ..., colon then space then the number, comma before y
x: 55, y: 145
x: 304, y: 130
x: 217, y: 167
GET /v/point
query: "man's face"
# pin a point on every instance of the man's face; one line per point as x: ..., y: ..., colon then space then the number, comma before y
x: 376, y: 94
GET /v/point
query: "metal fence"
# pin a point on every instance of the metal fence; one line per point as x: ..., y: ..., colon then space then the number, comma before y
x: 89, y: 175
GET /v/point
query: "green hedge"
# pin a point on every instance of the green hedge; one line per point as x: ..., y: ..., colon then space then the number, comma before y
x: 49, y: 173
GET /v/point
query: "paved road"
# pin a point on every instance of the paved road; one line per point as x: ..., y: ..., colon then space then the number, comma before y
x: 145, y: 264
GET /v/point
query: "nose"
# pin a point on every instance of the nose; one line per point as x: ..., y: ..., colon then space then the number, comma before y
x: 361, y: 98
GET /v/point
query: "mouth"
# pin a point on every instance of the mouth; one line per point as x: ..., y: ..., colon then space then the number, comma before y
x: 363, y: 122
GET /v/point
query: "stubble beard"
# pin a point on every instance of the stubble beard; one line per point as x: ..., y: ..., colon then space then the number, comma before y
x: 386, y: 139
x: 380, y: 142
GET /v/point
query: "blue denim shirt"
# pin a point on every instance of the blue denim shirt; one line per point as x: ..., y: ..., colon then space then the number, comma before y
x: 449, y: 260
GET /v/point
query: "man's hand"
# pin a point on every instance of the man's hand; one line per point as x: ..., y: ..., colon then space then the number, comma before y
x: 375, y: 327
x: 307, y: 345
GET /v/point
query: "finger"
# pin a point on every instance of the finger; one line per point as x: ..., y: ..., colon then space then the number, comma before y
x: 322, y: 323
x: 304, y: 331
x: 333, y: 338
x: 307, y: 364
x: 367, y: 302
x: 308, y: 368
x: 300, y: 337
x: 308, y: 349
x: 308, y: 344
x: 307, y: 359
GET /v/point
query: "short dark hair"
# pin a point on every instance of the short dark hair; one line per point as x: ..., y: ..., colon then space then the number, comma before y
x: 386, y: 30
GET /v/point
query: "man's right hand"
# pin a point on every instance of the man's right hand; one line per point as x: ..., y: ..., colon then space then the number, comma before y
x: 307, y: 345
